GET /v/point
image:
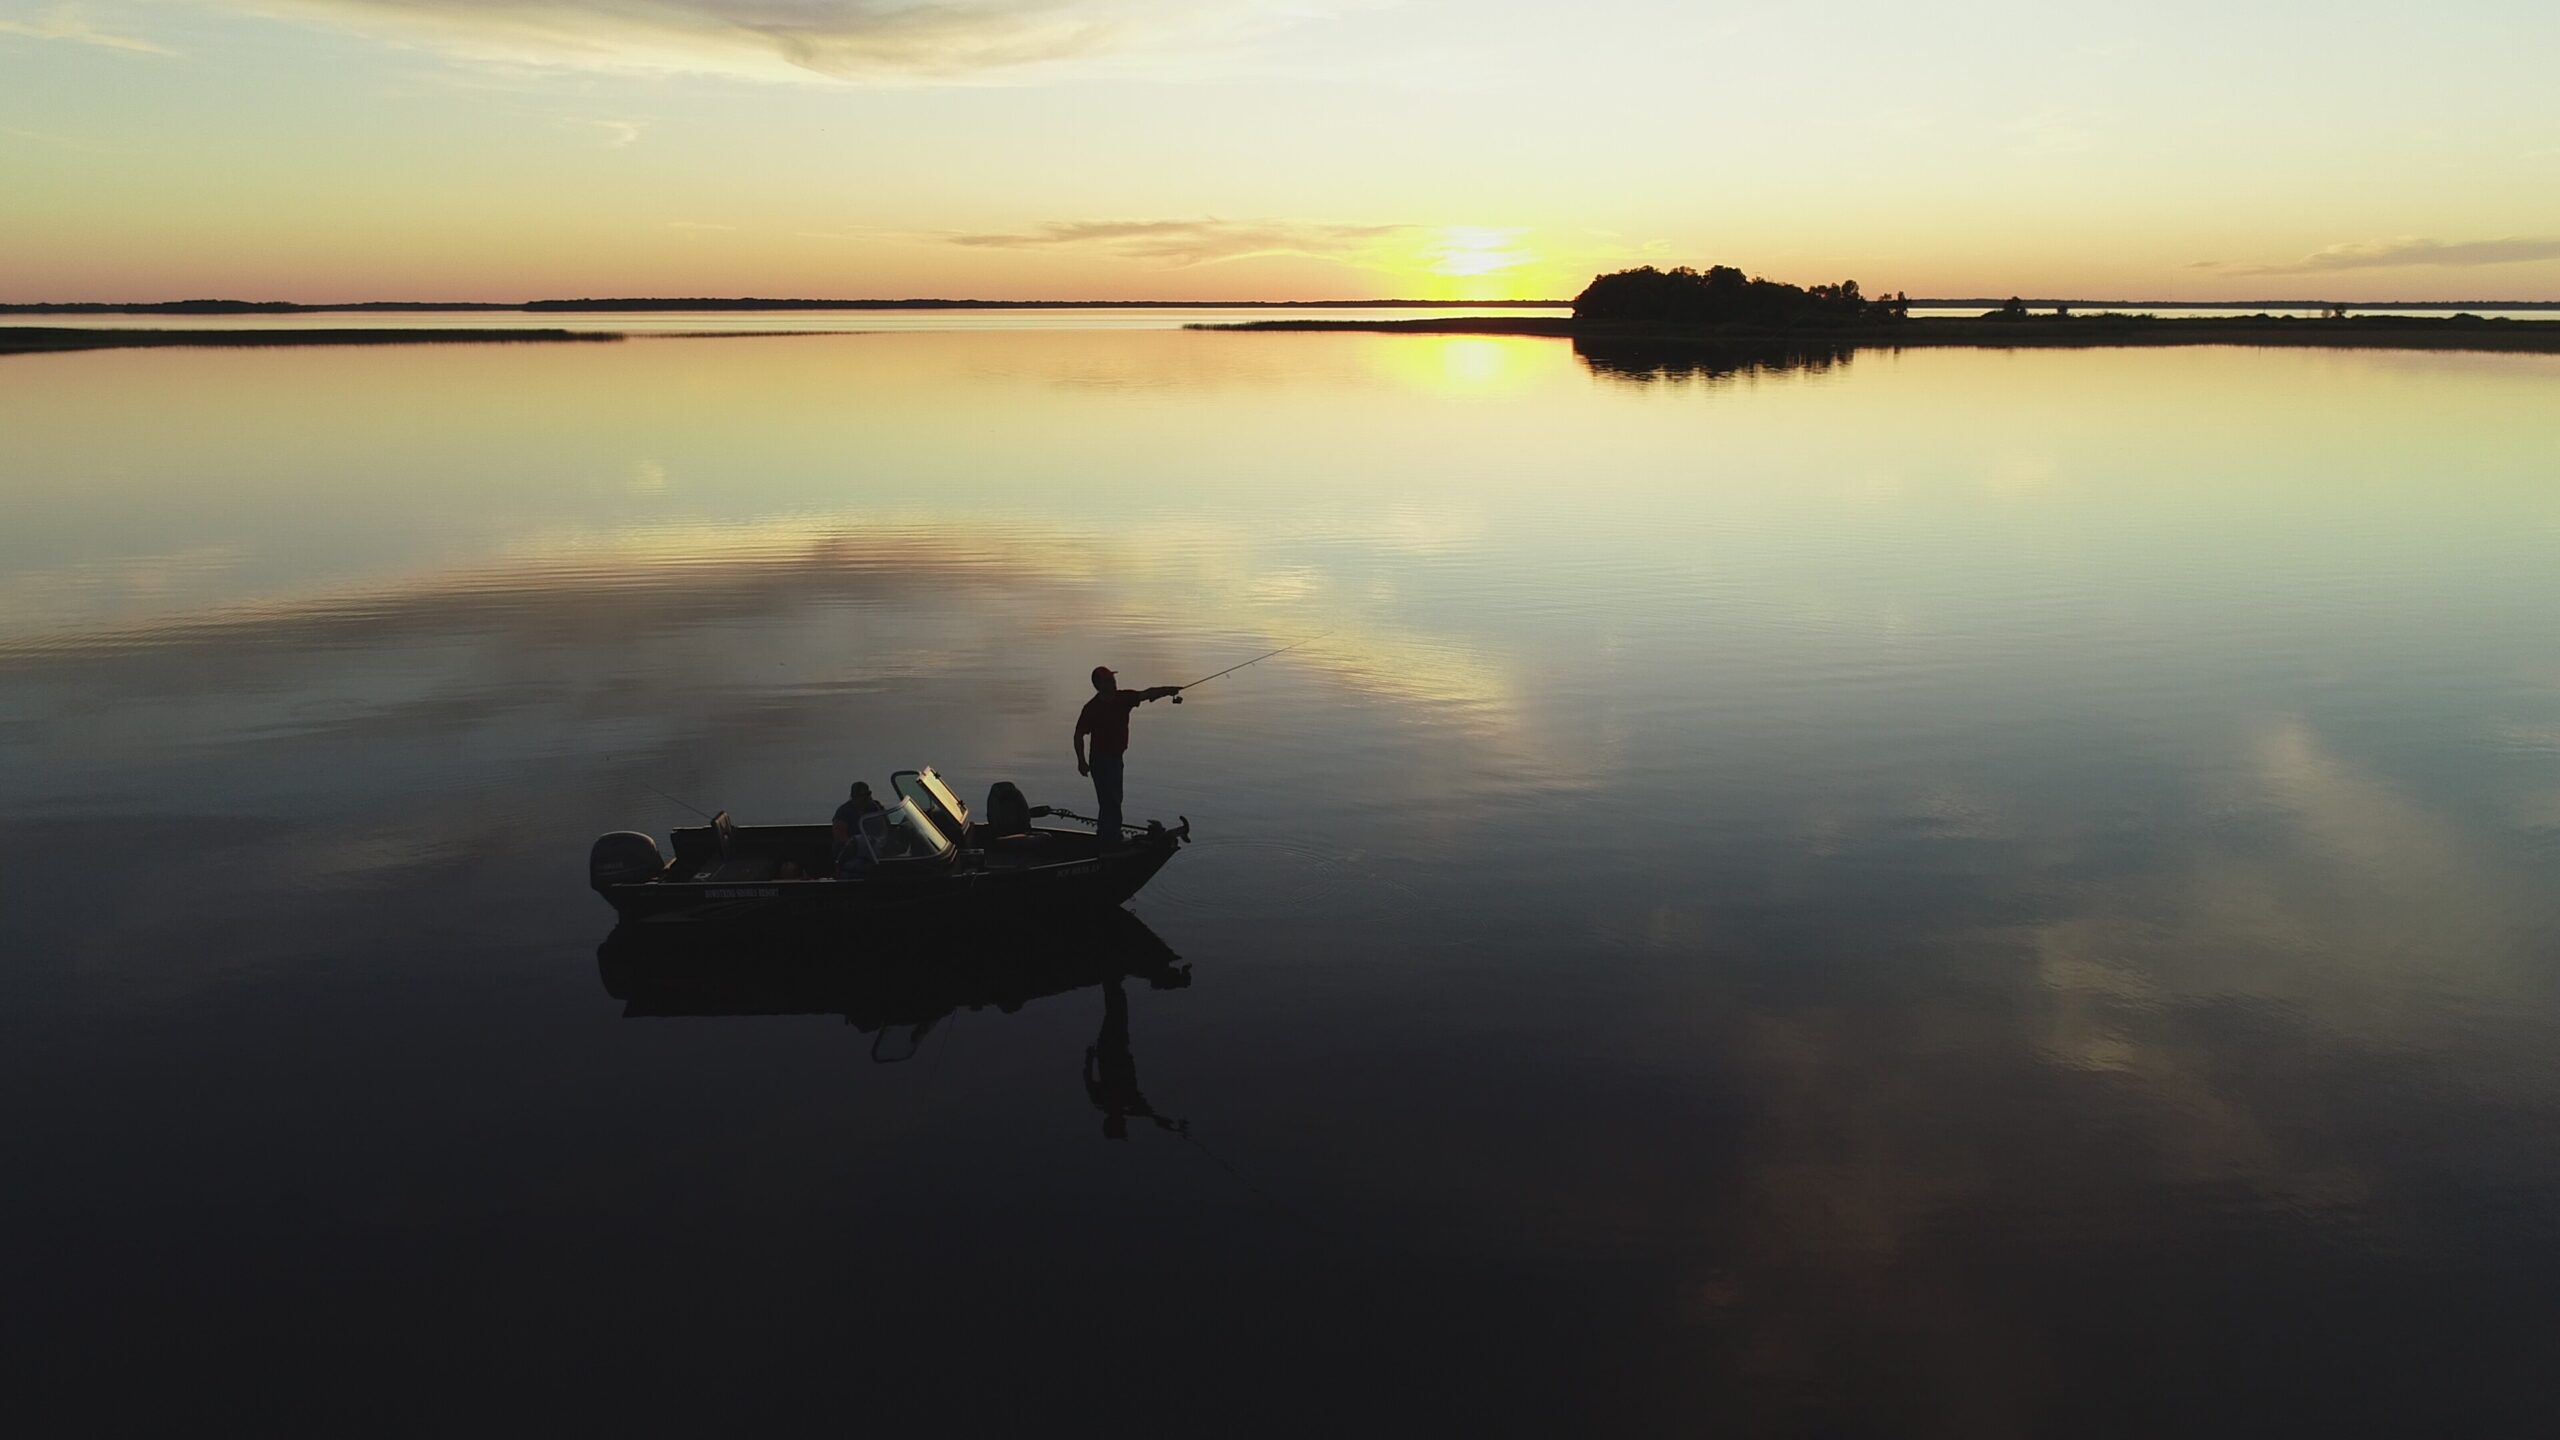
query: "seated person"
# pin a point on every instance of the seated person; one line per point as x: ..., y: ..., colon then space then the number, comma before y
x: 849, y: 815
x: 873, y: 836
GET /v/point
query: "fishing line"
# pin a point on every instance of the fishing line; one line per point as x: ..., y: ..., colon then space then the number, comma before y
x: 663, y: 795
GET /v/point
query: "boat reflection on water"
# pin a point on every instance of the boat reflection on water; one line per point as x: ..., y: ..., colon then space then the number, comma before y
x: 900, y: 993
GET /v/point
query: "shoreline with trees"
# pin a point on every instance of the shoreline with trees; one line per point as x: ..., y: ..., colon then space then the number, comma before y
x: 1723, y: 309
x: 2386, y: 332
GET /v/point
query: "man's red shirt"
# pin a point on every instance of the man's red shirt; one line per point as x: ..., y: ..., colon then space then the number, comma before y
x: 1106, y: 719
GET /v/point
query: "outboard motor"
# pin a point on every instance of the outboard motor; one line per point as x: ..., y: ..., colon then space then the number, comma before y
x: 624, y: 857
x: 1007, y: 812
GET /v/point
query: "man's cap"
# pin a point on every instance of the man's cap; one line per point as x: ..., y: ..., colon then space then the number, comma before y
x: 1104, y: 672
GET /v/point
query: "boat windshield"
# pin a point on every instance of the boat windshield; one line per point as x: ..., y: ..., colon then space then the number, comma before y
x: 934, y: 798
x: 903, y: 833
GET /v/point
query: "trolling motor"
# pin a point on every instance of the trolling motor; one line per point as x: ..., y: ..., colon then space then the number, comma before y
x: 1156, y: 829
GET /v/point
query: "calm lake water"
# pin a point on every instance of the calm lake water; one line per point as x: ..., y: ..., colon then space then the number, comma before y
x: 1958, y: 893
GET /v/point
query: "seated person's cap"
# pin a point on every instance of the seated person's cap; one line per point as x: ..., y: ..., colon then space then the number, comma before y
x: 1103, y: 672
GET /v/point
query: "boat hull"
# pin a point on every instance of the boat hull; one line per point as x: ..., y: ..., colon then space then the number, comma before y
x: 976, y: 886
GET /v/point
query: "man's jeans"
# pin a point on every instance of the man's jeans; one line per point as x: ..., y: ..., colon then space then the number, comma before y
x: 1106, y: 791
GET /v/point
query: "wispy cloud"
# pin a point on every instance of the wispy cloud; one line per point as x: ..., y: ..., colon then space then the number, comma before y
x: 1183, y: 243
x: 616, y: 134
x: 885, y: 233
x: 872, y: 41
x: 71, y: 23
x: 67, y: 142
x: 2052, y: 132
x: 2408, y: 250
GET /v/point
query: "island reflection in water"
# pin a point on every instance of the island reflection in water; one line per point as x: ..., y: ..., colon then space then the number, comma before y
x: 1959, y: 893
x: 1642, y: 359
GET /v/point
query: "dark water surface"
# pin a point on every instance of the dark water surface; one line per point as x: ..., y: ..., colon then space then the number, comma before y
x: 1957, y: 893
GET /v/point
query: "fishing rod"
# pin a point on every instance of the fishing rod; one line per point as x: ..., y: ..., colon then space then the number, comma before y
x: 663, y: 795
x: 1256, y: 660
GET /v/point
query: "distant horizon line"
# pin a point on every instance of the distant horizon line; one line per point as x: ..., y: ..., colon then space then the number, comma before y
x: 738, y: 302
x: 645, y: 303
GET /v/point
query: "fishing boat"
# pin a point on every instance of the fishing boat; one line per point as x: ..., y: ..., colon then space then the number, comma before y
x: 923, y: 856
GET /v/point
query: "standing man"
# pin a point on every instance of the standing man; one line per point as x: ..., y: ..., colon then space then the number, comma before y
x: 1106, y: 719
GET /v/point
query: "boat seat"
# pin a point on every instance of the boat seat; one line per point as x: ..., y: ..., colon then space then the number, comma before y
x: 1008, y: 814
x: 724, y: 844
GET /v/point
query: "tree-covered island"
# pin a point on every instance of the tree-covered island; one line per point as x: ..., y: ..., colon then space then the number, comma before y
x: 1723, y: 295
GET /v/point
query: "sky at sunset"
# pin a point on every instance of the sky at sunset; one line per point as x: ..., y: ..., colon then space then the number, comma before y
x: 1193, y: 149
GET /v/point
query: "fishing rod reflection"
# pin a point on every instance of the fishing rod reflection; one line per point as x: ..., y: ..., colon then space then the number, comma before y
x: 901, y: 992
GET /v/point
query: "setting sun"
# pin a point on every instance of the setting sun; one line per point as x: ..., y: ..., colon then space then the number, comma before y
x: 1465, y: 250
